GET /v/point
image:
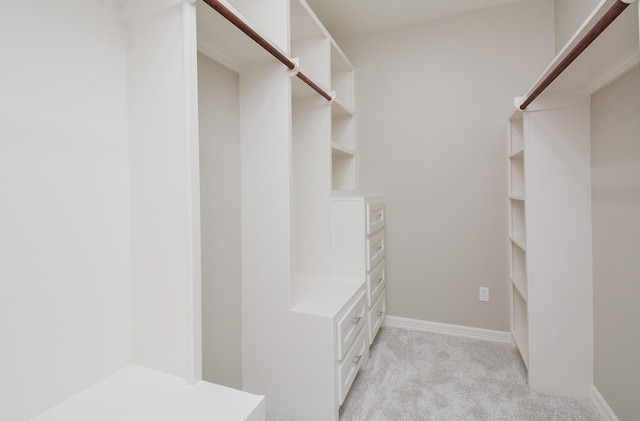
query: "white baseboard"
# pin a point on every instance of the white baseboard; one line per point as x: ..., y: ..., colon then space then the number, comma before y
x: 456, y: 330
x: 601, y: 406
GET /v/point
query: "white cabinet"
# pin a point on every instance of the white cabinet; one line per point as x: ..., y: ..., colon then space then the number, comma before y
x: 359, y: 250
x: 350, y: 324
x: 350, y: 365
x: 325, y: 346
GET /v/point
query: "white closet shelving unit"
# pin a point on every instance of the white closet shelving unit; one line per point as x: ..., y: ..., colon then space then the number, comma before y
x: 164, y: 379
x: 517, y: 236
x: 322, y: 338
x: 304, y: 332
x: 343, y: 145
x: 550, y: 237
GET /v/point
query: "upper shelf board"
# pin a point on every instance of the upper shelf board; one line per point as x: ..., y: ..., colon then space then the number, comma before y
x: 339, y: 61
x: 304, y: 23
x: 223, y: 42
x: 613, y: 53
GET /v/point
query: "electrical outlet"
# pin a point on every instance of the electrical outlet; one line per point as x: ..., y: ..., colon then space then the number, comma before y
x: 484, y: 294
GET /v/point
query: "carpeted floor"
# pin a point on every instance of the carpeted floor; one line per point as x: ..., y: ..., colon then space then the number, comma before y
x: 426, y: 376
x: 416, y: 376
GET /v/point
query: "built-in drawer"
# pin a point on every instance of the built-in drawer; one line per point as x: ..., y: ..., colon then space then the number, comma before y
x: 376, y: 281
x: 375, y: 250
x: 376, y: 315
x: 354, y: 359
x: 375, y: 216
x: 350, y: 324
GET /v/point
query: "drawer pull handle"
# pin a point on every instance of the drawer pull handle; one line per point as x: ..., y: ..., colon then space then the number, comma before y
x: 379, y: 280
x: 380, y: 313
x: 356, y: 360
x: 356, y: 320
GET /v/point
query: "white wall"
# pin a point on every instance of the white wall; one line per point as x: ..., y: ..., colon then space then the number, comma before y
x: 615, y: 128
x: 65, y: 300
x: 218, y: 97
x: 432, y: 103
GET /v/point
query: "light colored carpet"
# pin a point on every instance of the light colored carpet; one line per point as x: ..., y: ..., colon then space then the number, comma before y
x: 425, y: 376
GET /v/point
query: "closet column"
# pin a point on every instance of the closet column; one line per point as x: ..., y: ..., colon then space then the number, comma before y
x: 265, y: 154
x: 558, y: 231
x: 164, y: 186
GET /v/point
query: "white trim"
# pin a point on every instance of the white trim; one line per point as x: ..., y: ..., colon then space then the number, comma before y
x: 447, y: 329
x: 601, y: 406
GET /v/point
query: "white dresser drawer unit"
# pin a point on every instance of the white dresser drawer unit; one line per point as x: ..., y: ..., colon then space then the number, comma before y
x: 375, y: 216
x: 352, y: 362
x: 375, y: 250
x: 351, y: 324
x: 359, y: 249
x: 376, y: 281
x: 376, y: 316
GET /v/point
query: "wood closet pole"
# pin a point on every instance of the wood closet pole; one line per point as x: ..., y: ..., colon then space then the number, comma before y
x: 611, y: 15
x: 238, y: 23
x: 313, y: 86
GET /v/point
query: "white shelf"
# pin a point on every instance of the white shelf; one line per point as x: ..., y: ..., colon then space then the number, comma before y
x: 323, y: 296
x: 304, y: 23
x: 517, y: 154
x: 520, y: 285
x: 337, y: 148
x: 516, y: 134
x: 342, y: 171
x: 518, y: 262
x: 310, y: 43
x: 516, y: 181
x: 519, y: 198
x: 520, y: 242
x: 520, y: 327
x: 338, y: 108
x: 517, y: 220
x: 339, y: 61
x: 341, y: 76
x: 520, y: 338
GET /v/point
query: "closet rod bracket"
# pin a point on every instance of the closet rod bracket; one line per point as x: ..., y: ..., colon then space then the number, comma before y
x: 296, y: 67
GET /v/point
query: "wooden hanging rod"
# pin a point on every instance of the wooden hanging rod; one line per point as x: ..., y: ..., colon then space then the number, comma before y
x: 261, y: 41
x: 616, y: 9
x: 313, y: 86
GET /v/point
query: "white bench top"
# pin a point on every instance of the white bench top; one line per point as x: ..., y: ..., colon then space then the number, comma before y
x: 139, y: 394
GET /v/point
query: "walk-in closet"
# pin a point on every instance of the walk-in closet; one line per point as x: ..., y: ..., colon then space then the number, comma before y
x: 239, y: 209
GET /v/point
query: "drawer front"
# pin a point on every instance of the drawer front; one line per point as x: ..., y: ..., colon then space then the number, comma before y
x: 375, y: 216
x: 376, y: 282
x: 375, y: 250
x: 350, y: 324
x: 376, y: 316
x: 348, y: 368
